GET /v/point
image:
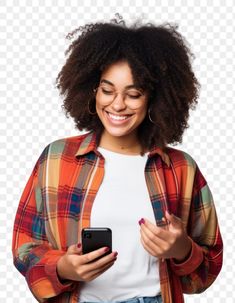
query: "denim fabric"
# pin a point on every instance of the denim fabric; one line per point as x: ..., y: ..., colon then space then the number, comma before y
x: 156, y: 299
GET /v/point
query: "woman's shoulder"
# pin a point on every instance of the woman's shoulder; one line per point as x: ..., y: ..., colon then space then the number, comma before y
x: 66, y: 146
x: 180, y: 157
x: 72, y: 140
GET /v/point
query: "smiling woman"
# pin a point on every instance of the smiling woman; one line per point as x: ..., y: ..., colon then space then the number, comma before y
x: 120, y: 114
x: 159, y: 61
x: 131, y: 88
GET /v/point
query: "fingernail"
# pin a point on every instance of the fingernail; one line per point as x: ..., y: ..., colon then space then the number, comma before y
x: 79, y: 245
x: 141, y: 221
x: 106, y: 249
x: 115, y: 254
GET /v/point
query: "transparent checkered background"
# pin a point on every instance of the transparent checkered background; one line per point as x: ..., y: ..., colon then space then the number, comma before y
x: 32, y: 45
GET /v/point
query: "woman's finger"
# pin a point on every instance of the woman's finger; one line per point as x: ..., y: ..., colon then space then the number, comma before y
x: 75, y: 249
x: 176, y: 222
x: 91, y: 256
x: 156, y: 245
x: 100, y: 263
x: 154, y: 237
x: 152, y: 252
x: 95, y: 273
x: 158, y: 231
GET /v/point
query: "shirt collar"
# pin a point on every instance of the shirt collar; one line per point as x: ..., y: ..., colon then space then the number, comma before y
x: 157, y: 150
x: 89, y: 143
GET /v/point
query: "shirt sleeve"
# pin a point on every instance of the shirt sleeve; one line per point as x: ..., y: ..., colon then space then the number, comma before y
x: 204, y: 263
x: 34, y: 257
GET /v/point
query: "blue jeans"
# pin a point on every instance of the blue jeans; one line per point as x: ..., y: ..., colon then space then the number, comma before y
x: 156, y: 299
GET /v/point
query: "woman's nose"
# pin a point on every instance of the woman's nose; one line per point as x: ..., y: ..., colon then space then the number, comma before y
x: 119, y: 102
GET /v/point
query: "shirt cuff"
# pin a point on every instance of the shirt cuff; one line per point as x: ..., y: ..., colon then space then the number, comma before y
x: 192, y: 262
x: 51, y: 270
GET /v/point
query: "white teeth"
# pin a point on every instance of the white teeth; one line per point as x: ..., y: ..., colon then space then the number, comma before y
x: 119, y: 118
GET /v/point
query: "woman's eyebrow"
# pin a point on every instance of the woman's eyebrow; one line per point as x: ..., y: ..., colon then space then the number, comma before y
x: 110, y: 83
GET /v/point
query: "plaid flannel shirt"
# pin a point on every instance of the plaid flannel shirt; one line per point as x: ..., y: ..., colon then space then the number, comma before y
x: 57, y: 201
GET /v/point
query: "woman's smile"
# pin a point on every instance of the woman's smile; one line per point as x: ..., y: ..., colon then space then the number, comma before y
x: 117, y: 119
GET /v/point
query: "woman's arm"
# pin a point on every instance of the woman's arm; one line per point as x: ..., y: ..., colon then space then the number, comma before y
x: 33, y: 255
x: 49, y: 271
x: 194, y: 251
x: 203, y: 265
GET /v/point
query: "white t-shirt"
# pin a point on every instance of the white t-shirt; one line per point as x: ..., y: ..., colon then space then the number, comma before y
x: 122, y: 200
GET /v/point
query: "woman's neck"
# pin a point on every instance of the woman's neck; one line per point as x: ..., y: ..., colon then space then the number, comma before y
x: 125, y: 145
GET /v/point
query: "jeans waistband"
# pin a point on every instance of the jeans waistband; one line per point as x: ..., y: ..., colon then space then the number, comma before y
x: 155, y: 299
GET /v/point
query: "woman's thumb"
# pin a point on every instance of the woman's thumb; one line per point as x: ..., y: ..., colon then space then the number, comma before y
x: 175, y: 221
x: 75, y: 249
x: 79, y: 248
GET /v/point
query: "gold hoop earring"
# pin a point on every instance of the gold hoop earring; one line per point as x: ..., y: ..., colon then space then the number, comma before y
x: 89, y: 111
x: 150, y: 116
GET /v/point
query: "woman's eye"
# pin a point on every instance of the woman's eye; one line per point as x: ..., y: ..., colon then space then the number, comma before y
x: 107, y: 91
x: 134, y: 96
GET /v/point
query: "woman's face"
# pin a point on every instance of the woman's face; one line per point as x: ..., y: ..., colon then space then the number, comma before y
x: 120, y: 105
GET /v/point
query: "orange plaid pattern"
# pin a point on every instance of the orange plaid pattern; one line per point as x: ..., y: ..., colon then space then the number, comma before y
x: 57, y: 201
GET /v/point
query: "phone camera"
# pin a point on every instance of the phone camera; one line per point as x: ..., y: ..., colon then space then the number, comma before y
x: 87, y: 235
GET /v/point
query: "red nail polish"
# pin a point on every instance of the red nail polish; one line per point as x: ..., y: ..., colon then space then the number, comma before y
x: 141, y: 221
x: 115, y: 254
x: 79, y: 245
x: 106, y: 249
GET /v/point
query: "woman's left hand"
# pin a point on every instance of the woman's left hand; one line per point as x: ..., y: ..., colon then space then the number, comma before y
x: 166, y: 243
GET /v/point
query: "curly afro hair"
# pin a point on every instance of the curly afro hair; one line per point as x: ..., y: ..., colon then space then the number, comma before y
x: 160, y: 61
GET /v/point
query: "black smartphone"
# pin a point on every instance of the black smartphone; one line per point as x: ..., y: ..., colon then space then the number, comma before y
x: 96, y: 237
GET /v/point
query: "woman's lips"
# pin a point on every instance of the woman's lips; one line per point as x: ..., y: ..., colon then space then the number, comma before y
x: 117, y: 119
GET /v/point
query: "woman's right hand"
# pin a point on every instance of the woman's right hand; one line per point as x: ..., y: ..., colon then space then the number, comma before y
x: 77, y: 267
